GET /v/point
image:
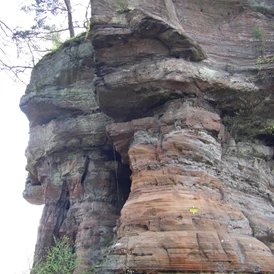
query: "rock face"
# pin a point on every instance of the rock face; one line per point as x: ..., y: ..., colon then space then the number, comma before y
x: 151, y: 142
x: 71, y: 162
x: 183, y: 212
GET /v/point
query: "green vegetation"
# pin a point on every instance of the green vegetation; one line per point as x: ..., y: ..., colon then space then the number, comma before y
x: 76, y: 40
x: 260, y: 6
x: 60, y: 259
x: 237, y: 127
x: 264, y: 64
x: 38, y: 36
x: 258, y: 37
x: 246, y: 124
x: 55, y: 39
x: 121, y: 6
x: 258, y: 34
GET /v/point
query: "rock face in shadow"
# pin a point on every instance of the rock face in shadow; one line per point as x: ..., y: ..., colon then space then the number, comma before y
x: 151, y: 142
x: 72, y: 165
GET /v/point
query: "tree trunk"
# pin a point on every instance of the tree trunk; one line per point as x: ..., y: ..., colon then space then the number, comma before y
x: 70, y: 22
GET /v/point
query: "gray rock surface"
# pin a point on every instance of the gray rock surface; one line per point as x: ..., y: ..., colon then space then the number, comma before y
x: 151, y: 143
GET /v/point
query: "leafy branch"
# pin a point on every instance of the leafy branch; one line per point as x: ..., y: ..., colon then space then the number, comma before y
x: 60, y: 259
x: 28, y: 45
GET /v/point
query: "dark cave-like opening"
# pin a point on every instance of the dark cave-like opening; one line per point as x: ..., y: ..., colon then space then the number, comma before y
x: 267, y: 139
x: 120, y: 179
x: 123, y: 181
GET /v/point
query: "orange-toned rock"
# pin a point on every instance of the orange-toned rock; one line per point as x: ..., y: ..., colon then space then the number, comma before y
x: 177, y: 217
x: 173, y: 85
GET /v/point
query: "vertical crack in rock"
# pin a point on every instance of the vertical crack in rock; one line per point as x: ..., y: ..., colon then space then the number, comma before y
x: 122, y: 179
x: 170, y: 96
x: 86, y: 165
x: 63, y: 205
x: 168, y: 256
x: 116, y: 177
x: 201, y: 246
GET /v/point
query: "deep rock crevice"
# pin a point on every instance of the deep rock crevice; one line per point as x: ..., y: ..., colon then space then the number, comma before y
x: 153, y: 150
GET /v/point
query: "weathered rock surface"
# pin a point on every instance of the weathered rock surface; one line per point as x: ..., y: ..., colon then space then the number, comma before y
x: 182, y: 213
x: 69, y: 155
x: 151, y: 143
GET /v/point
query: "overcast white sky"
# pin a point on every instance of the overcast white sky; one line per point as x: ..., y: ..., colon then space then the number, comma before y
x: 19, y: 220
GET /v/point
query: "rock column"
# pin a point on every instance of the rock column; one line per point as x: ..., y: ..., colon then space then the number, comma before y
x: 175, y: 217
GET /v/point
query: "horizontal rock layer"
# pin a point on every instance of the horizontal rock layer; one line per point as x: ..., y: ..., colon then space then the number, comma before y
x: 72, y: 165
x: 180, y: 214
x: 151, y: 142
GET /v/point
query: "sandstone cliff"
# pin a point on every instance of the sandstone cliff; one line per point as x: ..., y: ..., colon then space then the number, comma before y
x: 151, y: 140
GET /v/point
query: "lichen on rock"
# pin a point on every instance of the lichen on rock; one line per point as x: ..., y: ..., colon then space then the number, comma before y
x: 151, y: 146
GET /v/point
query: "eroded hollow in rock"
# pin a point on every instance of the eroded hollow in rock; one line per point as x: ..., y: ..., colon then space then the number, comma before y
x: 123, y: 181
x: 267, y: 139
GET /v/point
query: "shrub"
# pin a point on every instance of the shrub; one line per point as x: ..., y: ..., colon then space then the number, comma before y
x: 60, y: 259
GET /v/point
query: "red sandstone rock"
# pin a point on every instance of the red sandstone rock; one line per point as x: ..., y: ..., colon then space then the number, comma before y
x: 176, y: 217
x: 159, y: 81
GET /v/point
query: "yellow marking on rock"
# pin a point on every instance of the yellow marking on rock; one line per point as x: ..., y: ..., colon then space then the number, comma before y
x: 193, y: 210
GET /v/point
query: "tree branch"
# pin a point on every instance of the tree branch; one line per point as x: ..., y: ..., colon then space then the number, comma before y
x: 70, y: 22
